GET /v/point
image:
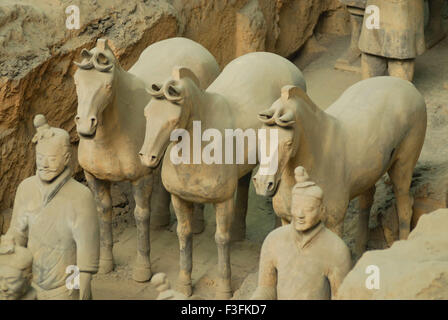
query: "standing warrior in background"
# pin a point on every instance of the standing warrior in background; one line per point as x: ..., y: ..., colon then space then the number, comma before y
x: 399, y: 39
x: 55, y: 217
x: 312, y: 261
x: 348, y: 59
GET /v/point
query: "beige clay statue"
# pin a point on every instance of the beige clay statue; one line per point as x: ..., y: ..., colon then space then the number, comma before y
x: 376, y: 126
x: 16, y: 274
x: 246, y: 86
x: 398, y: 40
x: 352, y: 54
x: 111, y: 127
x: 312, y: 261
x: 55, y: 217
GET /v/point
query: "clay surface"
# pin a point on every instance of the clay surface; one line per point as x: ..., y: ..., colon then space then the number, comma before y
x: 416, y: 268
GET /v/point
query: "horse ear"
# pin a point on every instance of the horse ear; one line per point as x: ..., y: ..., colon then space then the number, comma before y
x: 289, y: 92
x: 102, y: 44
x: 184, y: 72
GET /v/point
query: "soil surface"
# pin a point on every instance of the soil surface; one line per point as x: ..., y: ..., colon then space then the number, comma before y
x: 325, y: 84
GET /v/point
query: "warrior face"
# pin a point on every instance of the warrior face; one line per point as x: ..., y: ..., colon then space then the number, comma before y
x: 14, y: 283
x: 306, y: 211
x: 52, y: 157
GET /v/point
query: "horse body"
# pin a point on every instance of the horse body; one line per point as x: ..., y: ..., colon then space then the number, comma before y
x: 111, y: 127
x: 246, y: 86
x: 113, y: 154
x: 377, y: 126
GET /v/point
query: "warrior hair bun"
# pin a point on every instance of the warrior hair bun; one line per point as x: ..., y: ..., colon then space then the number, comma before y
x: 39, y: 121
x: 300, y: 174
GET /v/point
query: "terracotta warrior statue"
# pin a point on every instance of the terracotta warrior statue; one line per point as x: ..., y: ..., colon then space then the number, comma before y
x: 304, y: 259
x: 399, y: 39
x: 16, y: 275
x: 55, y: 217
x: 347, y: 60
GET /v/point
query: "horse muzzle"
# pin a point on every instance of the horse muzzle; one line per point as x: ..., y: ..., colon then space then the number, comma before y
x: 86, y: 128
x: 265, y: 185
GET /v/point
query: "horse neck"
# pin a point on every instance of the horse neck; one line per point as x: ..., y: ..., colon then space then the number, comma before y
x: 119, y: 117
x: 316, y: 130
x: 204, y: 106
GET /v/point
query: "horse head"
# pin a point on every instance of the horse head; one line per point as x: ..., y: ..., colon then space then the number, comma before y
x: 281, y: 116
x: 95, y: 82
x: 170, y: 109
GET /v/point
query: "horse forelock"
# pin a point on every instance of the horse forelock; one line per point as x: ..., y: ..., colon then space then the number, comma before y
x: 102, y: 60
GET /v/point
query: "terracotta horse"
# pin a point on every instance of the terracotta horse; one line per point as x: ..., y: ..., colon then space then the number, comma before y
x: 376, y: 126
x: 111, y: 127
x: 246, y: 86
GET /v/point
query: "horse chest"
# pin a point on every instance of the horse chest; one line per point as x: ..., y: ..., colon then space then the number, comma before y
x: 107, y: 164
x: 199, y: 183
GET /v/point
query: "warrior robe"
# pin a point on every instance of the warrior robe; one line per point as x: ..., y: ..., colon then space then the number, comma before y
x: 401, y: 30
x: 58, y: 222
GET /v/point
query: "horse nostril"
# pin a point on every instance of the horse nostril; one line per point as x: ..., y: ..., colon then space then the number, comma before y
x: 93, y: 121
x: 153, y: 158
x: 77, y: 118
x: 270, y: 186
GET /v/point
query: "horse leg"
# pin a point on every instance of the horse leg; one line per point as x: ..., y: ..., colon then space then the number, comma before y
x: 365, y: 202
x: 142, y: 189
x: 224, y: 216
x: 238, y: 230
x: 401, y: 176
x: 160, y: 203
x: 101, y: 192
x: 198, y: 224
x: 184, y: 214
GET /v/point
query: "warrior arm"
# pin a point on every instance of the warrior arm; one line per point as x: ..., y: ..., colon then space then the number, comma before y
x: 338, y: 271
x: 85, y: 279
x: 267, y: 275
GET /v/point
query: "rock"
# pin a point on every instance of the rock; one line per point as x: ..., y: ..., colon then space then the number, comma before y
x: 416, y: 268
x: 36, y: 65
x: 5, y: 220
x: 430, y: 191
x: 230, y: 28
